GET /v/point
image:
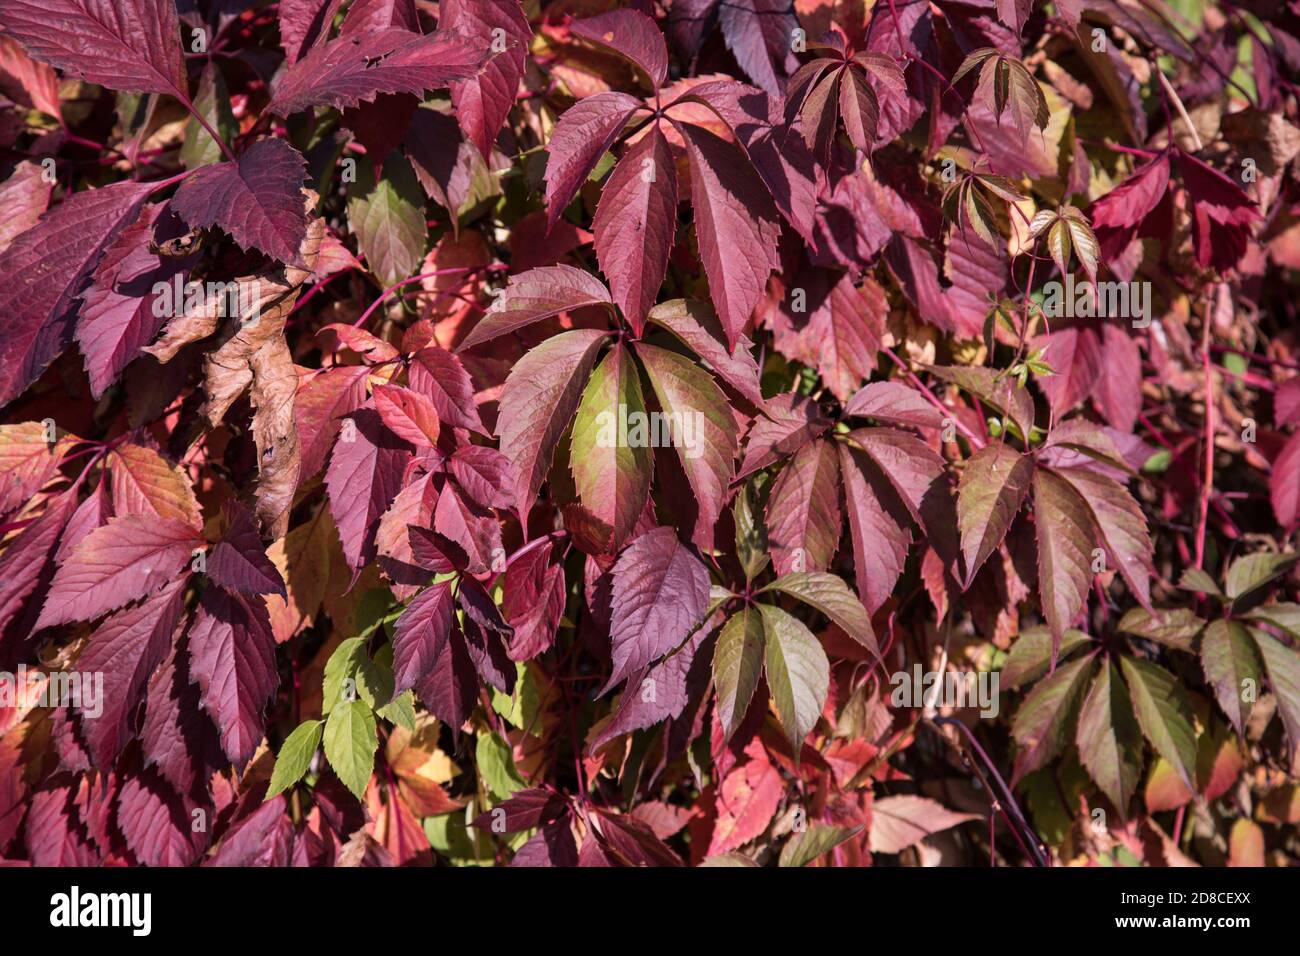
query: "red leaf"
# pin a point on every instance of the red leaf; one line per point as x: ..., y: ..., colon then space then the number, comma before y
x: 440, y: 377
x: 238, y: 562
x: 758, y: 34
x: 177, y: 737
x: 532, y: 602
x: 635, y: 224
x: 535, y: 295
x: 257, y: 200
x: 1284, y: 483
x: 747, y: 801
x: 787, y: 424
x: 121, y: 312
x: 538, y: 403
x: 632, y: 35
x: 232, y: 659
x: 127, y: 648
x: 350, y: 70
x: 409, y: 415
x: 322, y: 402
x: 483, y: 102
x: 124, y: 560
x: 130, y: 45
x: 41, y: 277
x: 583, y: 134
x: 420, y: 635
x: 661, y: 590
x: 367, y: 16
x: 157, y: 824
x: 483, y: 473
x: 695, y: 325
x: 803, y: 511
x: 363, y: 477
x: 732, y: 211
x: 304, y: 24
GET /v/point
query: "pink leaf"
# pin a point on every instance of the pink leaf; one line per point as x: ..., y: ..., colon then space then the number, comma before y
x: 635, y: 224
x: 124, y: 560
x: 232, y: 659
x: 661, y: 590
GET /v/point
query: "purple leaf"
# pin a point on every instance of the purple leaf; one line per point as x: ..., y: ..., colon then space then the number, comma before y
x: 420, y: 636
x: 483, y: 102
x: 232, y: 659
x: 661, y: 590
x: 351, y: 70
x: 238, y: 562
x: 42, y: 276
x: 129, y: 45
x: 257, y: 200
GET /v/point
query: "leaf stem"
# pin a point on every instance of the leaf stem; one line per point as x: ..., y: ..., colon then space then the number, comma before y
x: 225, y: 149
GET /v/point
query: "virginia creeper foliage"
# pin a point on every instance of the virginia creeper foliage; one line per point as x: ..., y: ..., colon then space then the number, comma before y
x: 667, y: 433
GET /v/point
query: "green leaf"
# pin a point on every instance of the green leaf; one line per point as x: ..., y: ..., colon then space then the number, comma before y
x: 1041, y: 726
x: 1031, y: 655
x: 993, y: 486
x: 802, y: 848
x: 1065, y: 533
x: 830, y: 595
x: 1283, y: 666
x: 496, y: 766
x: 737, y: 665
x: 1253, y: 571
x: 350, y: 744
x: 388, y: 221
x: 519, y: 708
x: 751, y: 536
x: 610, y: 449
x: 1109, y: 739
x: 212, y: 102
x: 294, y: 758
x: 1174, y: 627
x: 374, y: 683
x: 340, y: 672
x: 1194, y: 579
x: 1283, y: 616
x: 1229, y: 660
x: 400, y: 710
x: 1164, y: 713
x: 797, y: 672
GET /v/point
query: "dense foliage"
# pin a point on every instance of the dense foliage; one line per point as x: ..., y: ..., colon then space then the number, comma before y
x: 688, y: 431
